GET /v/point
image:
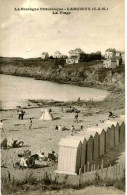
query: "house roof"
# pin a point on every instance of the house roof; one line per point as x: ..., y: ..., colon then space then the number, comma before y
x: 77, y: 51
x: 110, y: 50
x: 69, y: 142
x: 44, y: 52
x: 57, y: 52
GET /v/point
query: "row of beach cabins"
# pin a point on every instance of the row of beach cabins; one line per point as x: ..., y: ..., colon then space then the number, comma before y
x: 82, y: 150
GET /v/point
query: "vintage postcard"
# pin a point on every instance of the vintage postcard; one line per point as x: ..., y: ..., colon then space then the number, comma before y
x: 62, y: 97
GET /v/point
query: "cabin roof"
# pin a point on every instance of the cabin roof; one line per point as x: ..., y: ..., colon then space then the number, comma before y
x: 69, y: 142
x: 80, y: 138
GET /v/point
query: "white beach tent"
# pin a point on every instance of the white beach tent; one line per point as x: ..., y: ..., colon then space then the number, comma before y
x: 69, y: 158
x: 46, y: 115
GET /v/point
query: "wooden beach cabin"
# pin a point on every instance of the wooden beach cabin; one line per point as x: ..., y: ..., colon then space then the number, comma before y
x: 81, y: 138
x: 69, y: 157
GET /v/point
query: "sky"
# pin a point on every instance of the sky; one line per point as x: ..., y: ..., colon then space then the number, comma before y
x: 27, y: 34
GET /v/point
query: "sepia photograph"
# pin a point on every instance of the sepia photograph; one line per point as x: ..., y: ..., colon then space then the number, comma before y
x: 62, y: 97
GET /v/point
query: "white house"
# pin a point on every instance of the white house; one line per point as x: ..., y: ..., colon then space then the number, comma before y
x: 112, y: 62
x: 44, y: 55
x: 71, y: 61
x: 57, y: 54
x: 109, y: 53
x: 69, y: 157
x: 74, y: 56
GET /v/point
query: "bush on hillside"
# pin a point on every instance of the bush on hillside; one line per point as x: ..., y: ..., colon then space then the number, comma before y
x: 102, y: 73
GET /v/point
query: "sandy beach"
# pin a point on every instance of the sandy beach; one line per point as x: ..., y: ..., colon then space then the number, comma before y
x: 43, y: 135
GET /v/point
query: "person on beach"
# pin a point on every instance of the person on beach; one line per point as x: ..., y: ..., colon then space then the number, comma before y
x: 22, y: 114
x: 76, y: 118
x: 72, y: 129
x: 56, y: 128
x: 30, y: 123
x: 60, y: 128
x: 41, y: 154
x: 64, y: 110
x: 110, y: 114
x: 50, y: 110
x: 81, y: 127
x: 19, y: 115
x: 1, y: 126
x: 78, y: 99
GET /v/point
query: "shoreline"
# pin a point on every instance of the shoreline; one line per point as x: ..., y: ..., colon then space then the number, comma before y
x: 39, y: 103
x: 93, y: 85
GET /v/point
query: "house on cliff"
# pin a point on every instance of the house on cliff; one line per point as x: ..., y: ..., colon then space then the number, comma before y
x: 109, y: 53
x: 74, y: 56
x: 57, y: 54
x: 44, y: 55
x: 112, y: 62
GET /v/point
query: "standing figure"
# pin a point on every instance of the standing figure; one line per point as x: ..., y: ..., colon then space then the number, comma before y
x: 76, y: 118
x: 81, y: 127
x: 22, y: 114
x: 30, y: 123
x: 56, y: 128
x: 60, y: 128
x: 19, y: 113
x: 1, y: 126
x: 72, y: 129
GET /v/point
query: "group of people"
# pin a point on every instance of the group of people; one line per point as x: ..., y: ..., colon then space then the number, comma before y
x: 70, y: 110
x: 60, y: 128
x: 28, y: 160
x: 73, y: 129
x: 21, y: 114
x: 11, y: 143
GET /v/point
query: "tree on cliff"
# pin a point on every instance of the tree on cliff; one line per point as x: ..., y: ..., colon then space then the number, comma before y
x: 59, y: 61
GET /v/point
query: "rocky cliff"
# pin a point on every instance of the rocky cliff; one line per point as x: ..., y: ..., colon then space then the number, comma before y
x: 90, y: 74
